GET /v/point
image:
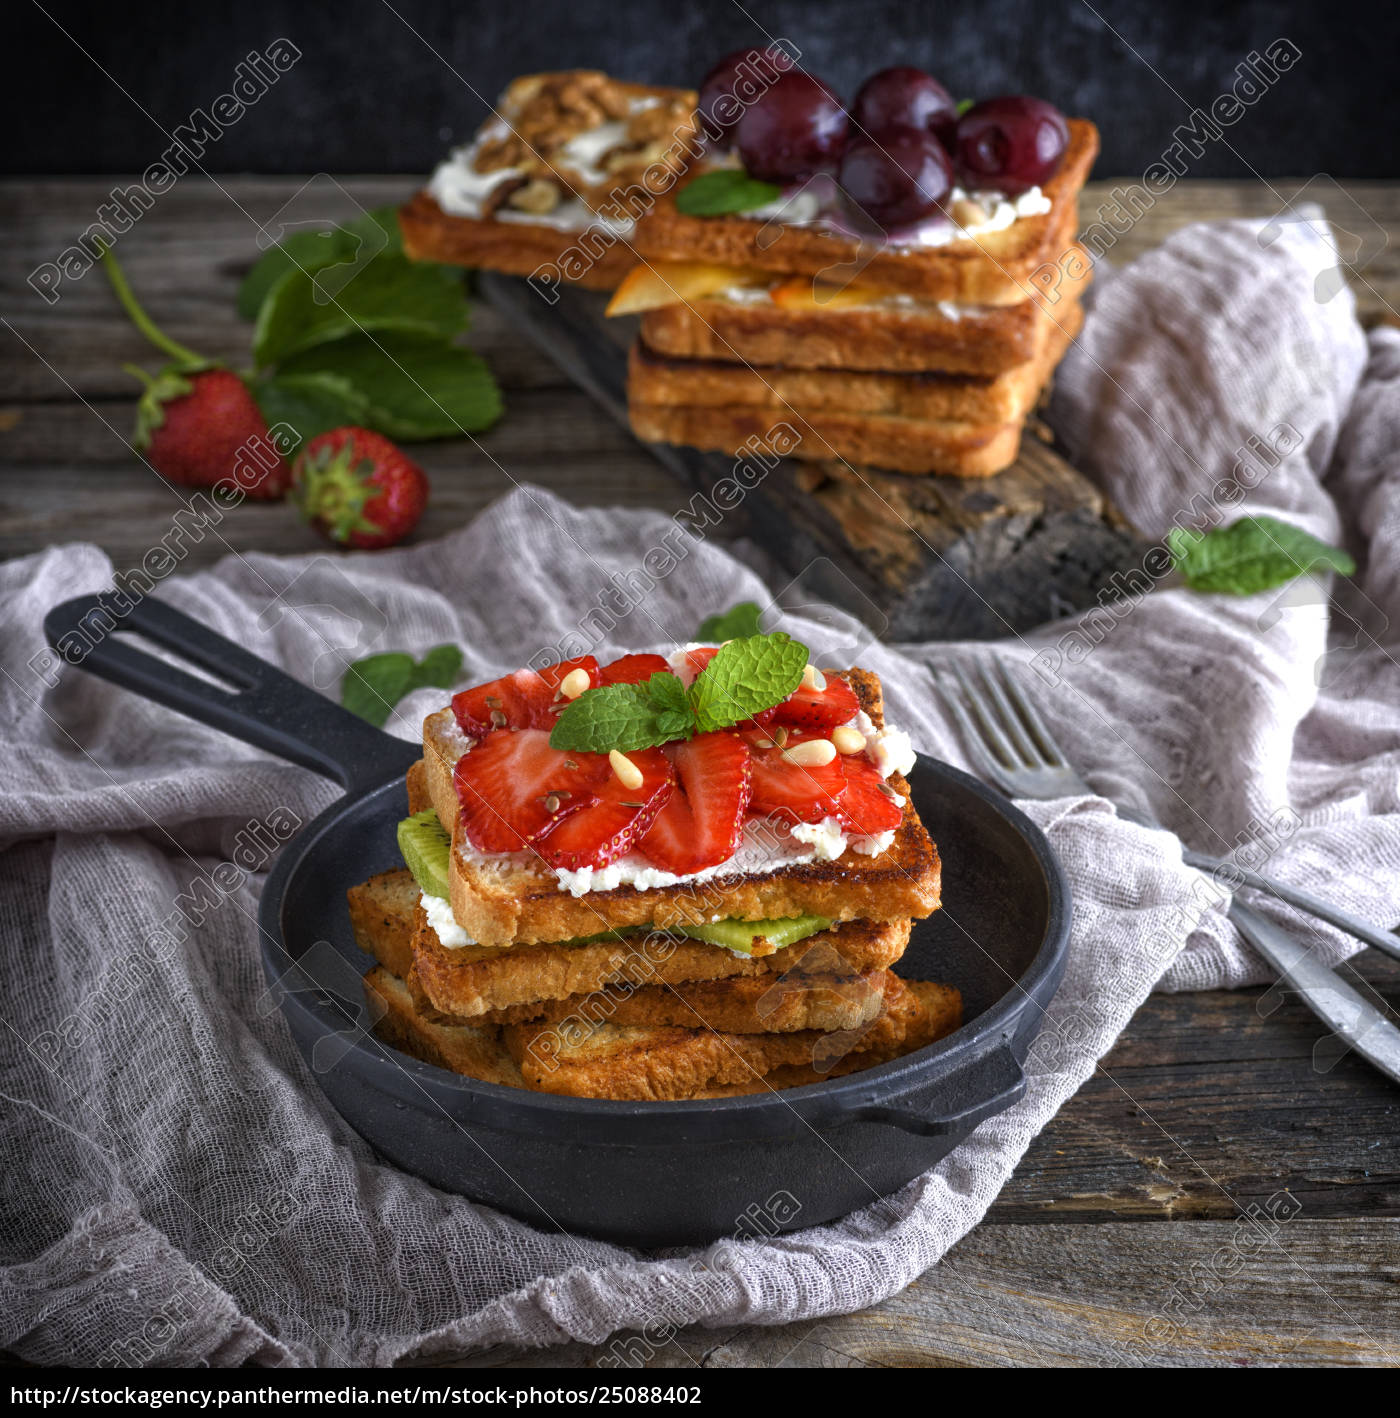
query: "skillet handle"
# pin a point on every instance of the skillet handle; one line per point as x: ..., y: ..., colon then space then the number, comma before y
x: 968, y: 1087
x: 266, y: 708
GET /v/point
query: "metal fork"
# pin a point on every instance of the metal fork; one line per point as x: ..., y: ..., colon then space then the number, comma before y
x: 1010, y: 743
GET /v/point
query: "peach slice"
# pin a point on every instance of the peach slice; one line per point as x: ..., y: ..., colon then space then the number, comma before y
x: 651, y: 286
x: 808, y: 293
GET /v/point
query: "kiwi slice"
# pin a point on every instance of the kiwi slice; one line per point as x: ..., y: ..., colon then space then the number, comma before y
x: 426, y: 849
x: 740, y: 935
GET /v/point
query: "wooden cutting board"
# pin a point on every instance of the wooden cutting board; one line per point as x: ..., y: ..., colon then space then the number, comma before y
x: 914, y: 557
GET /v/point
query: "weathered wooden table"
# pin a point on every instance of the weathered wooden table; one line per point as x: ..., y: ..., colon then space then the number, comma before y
x: 1132, y: 1231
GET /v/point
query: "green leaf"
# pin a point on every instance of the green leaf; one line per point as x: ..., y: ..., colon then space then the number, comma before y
x: 964, y: 105
x: 417, y: 387
x: 388, y: 293
x: 668, y: 693
x: 731, y: 624
x: 620, y: 716
x: 745, y: 677
x: 727, y: 189
x: 373, y: 686
x: 1253, y: 554
x: 309, y: 404
x: 313, y: 251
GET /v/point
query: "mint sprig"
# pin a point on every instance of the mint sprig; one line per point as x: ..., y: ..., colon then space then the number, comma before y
x: 737, y: 620
x: 373, y: 686
x: 724, y: 191
x: 1250, y: 555
x: 745, y: 677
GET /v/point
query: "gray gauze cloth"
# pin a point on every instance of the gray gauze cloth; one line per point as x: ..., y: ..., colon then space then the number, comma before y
x: 177, y: 1188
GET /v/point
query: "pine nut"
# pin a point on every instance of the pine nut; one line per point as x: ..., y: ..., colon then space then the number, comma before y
x: 967, y: 212
x: 628, y: 774
x: 848, y: 739
x: 574, y: 683
x: 814, y: 753
x: 813, y: 678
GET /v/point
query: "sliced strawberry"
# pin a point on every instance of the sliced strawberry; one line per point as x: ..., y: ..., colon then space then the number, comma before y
x: 633, y: 669
x: 867, y: 806
x: 702, y: 823
x: 794, y: 792
x: 817, y: 710
x: 521, y: 700
x: 610, y: 827
x: 513, y: 787
x: 697, y: 659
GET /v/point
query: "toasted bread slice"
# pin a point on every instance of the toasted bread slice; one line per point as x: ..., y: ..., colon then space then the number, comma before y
x: 658, y: 380
x: 514, y: 899
x: 607, y: 1060
x: 645, y: 982
x: 894, y: 334
x: 576, y: 149
x: 896, y: 445
x: 673, y: 1057
x: 774, y: 1003
x: 593, y: 257
x: 384, y: 915
x: 470, y: 981
x: 472, y: 1049
x: 992, y: 269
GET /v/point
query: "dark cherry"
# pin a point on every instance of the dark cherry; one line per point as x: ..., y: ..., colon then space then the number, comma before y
x: 1010, y: 143
x: 898, y: 178
x: 796, y: 128
x: 734, y: 83
x: 905, y: 97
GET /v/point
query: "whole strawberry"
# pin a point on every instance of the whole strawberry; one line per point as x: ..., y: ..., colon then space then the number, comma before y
x: 201, y: 428
x: 357, y: 488
x: 196, y: 423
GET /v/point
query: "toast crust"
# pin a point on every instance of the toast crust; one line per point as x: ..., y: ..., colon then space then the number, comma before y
x: 657, y: 380
x: 992, y: 269
x: 514, y: 900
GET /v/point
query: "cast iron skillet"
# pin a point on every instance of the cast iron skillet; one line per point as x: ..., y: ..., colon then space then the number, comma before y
x: 646, y: 1174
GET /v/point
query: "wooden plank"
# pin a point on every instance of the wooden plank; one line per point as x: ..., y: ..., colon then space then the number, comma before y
x: 1288, y: 1292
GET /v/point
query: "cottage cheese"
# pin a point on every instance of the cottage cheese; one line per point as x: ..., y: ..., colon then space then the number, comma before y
x: 439, y: 913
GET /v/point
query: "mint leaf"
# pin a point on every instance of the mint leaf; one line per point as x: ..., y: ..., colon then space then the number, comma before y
x: 373, y: 686
x: 439, y: 668
x: 620, y: 716
x: 1253, y: 554
x: 731, y: 624
x: 309, y: 404
x: 389, y: 293
x: 964, y: 104
x: 745, y: 677
x: 728, y: 189
x: 668, y: 693
x: 417, y: 387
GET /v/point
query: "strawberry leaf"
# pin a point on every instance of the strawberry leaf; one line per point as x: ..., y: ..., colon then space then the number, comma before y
x: 417, y: 387
x: 308, y: 404
x: 388, y: 293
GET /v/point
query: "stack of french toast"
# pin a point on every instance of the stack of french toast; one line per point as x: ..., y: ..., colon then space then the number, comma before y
x: 712, y: 908
x: 891, y: 282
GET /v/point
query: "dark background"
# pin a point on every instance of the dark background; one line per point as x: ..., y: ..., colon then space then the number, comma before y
x: 383, y: 89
